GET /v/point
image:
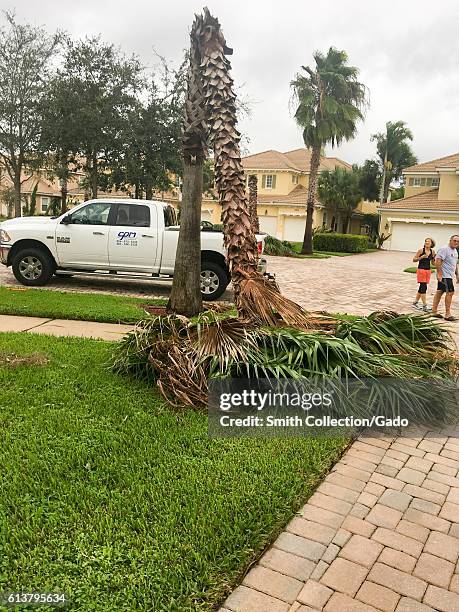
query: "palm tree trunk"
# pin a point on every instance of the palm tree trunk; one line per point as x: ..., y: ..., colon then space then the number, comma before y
x: 239, y: 235
x: 186, y: 296
x: 386, y: 187
x: 306, y: 249
x: 253, y: 201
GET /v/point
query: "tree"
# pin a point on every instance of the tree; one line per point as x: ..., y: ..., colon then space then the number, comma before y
x: 30, y: 208
x: 25, y: 54
x: 186, y: 296
x: 253, y: 201
x: 370, y: 179
x: 394, y: 152
x: 397, y: 193
x: 340, y: 188
x: 61, y: 130
x: 330, y: 102
x: 107, y: 83
x: 7, y: 195
x: 151, y: 141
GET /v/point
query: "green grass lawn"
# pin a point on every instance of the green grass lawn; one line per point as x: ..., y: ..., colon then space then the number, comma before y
x: 122, y: 503
x: 68, y: 305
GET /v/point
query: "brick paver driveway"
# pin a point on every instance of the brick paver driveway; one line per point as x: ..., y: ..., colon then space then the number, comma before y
x: 380, y: 533
x: 357, y: 284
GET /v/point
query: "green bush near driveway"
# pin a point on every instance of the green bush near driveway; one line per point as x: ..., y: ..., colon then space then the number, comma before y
x: 346, y: 243
x: 123, y: 503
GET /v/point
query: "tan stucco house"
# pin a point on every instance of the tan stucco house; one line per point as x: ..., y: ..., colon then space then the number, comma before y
x: 430, y: 207
x: 283, y: 180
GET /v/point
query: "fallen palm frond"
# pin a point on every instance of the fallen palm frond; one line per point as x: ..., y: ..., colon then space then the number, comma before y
x: 390, y: 332
x: 180, y: 355
x: 261, y: 302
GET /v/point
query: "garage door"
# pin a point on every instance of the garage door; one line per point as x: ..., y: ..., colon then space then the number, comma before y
x: 411, y: 236
x: 294, y: 228
x: 268, y: 225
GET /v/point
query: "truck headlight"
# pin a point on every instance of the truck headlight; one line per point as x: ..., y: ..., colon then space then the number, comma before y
x: 4, y: 237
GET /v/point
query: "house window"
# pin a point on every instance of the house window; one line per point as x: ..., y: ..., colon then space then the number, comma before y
x: 435, y: 182
x: 411, y: 182
x: 417, y: 182
x: 44, y: 204
x: 295, y: 179
x: 269, y: 181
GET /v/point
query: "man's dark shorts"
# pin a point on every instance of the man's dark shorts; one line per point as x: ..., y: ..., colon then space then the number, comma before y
x: 446, y: 285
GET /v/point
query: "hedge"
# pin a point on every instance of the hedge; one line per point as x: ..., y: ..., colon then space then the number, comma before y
x: 340, y: 243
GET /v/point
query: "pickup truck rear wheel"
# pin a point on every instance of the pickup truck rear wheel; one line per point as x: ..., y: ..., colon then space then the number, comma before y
x: 214, y: 280
x: 32, y: 267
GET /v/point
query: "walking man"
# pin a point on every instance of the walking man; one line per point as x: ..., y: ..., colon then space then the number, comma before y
x: 446, y: 266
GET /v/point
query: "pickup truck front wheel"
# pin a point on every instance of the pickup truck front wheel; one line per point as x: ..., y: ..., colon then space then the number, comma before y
x: 214, y: 280
x: 32, y: 267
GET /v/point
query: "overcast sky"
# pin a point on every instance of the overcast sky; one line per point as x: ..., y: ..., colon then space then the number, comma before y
x: 407, y: 53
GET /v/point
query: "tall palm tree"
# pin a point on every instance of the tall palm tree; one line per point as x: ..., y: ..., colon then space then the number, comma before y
x: 224, y: 138
x: 256, y: 298
x: 186, y: 296
x: 253, y: 201
x: 330, y: 102
x: 394, y: 152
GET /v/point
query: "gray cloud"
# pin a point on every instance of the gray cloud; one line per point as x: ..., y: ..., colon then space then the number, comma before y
x: 407, y: 52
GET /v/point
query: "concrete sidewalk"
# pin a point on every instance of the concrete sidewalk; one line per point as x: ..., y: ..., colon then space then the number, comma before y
x: 63, y: 327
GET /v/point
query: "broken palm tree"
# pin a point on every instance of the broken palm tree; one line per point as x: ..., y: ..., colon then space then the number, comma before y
x: 253, y: 202
x: 272, y: 336
x: 257, y: 298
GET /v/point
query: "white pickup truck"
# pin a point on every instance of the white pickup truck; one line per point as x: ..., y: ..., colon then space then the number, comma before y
x: 129, y: 238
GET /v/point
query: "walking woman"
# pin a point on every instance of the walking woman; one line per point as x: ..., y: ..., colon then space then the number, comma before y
x: 424, y: 256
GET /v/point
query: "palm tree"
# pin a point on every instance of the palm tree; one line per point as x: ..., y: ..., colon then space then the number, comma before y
x: 256, y: 297
x: 394, y: 152
x: 340, y: 189
x: 330, y: 102
x: 253, y: 201
x: 186, y: 296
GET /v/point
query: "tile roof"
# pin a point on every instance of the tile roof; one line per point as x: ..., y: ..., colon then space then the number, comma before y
x: 450, y: 161
x: 298, y: 159
x: 299, y: 196
x: 423, y: 201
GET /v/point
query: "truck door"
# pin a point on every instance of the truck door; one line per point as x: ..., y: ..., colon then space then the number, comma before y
x: 133, y: 239
x: 83, y: 241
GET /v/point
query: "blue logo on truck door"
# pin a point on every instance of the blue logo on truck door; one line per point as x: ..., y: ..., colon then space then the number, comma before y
x: 124, y: 235
x: 126, y: 238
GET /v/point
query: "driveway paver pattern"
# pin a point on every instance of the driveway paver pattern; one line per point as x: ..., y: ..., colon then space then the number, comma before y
x: 401, y: 554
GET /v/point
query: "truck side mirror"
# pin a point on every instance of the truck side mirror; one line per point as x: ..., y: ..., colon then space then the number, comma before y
x: 66, y: 220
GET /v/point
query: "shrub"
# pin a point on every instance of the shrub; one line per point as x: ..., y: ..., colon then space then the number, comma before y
x: 340, y: 243
x: 274, y: 246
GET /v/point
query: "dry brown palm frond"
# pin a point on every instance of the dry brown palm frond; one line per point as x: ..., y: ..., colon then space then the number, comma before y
x: 261, y: 302
x: 181, y: 379
x: 221, y: 342
x: 217, y: 306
